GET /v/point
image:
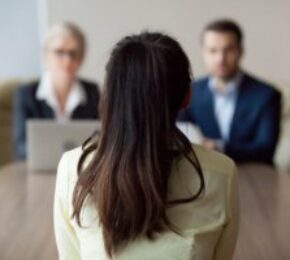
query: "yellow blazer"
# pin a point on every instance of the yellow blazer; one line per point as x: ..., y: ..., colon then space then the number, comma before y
x: 209, y: 225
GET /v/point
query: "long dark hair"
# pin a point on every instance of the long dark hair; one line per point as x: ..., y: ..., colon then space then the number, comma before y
x: 147, y: 79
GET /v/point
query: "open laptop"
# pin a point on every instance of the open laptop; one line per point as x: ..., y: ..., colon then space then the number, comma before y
x: 47, y: 140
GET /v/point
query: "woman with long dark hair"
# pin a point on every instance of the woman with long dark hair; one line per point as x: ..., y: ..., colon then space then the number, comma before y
x: 141, y: 190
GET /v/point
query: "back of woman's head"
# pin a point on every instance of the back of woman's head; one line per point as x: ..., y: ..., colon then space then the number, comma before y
x: 147, y: 80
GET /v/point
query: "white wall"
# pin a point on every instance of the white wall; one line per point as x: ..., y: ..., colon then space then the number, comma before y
x: 19, y: 44
x: 265, y: 22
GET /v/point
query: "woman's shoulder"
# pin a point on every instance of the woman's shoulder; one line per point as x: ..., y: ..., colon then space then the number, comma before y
x: 28, y: 89
x: 211, y: 162
x: 214, y: 161
x: 67, y: 172
x: 69, y: 161
x: 218, y: 172
x: 25, y: 95
x: 68, y: 165
x: 73, y: 154
x: 89, y: 85
x: 92, y: 91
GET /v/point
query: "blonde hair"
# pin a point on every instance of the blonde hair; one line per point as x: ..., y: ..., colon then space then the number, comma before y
x: 65, y: 28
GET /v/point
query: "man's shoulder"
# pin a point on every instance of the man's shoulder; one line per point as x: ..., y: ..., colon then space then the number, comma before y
x: 256, y: 85
x: 200, y: 82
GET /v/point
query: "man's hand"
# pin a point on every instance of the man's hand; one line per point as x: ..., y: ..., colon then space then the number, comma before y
x: 209, y: 144
x: 213, y: 144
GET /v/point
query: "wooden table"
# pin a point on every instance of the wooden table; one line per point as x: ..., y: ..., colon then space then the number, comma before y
x: 26, y: 203
x: 26, y: 199
x: 265, y: 214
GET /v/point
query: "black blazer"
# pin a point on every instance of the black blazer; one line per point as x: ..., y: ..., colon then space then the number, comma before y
x: 27, y: 106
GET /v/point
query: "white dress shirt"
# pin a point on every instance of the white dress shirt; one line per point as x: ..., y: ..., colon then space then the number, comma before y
x: 75, y: 98
x: 225, y: 104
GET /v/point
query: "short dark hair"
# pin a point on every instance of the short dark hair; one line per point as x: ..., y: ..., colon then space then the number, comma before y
x: 225, y: 25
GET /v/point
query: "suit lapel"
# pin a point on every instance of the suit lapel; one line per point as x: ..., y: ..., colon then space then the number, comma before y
x: 46, y: 111
x: 80, y: 112
x: 208, y: 111
x: 240, y: 109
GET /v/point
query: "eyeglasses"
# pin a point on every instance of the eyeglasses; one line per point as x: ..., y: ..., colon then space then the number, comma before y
x: 72, y: 54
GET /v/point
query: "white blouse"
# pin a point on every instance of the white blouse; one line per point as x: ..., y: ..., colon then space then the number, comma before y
x: 209, y: 225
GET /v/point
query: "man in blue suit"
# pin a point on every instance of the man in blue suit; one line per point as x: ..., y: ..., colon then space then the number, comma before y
x: 236, y: 113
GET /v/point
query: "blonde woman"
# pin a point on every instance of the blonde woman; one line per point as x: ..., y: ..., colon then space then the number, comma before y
x: 59, y: 94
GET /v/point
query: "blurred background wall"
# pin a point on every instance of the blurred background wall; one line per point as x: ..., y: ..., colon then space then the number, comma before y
x: 19, y: 38
x: 265, y: 22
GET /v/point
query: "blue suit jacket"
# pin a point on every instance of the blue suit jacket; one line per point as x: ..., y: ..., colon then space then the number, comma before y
x: 27, y: 106
x: 256, y: 122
